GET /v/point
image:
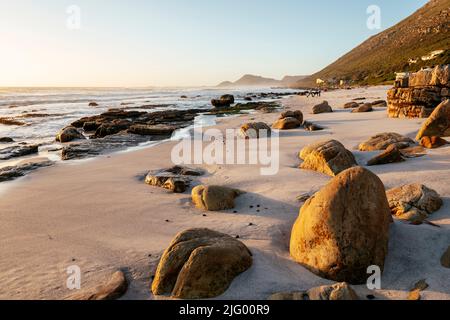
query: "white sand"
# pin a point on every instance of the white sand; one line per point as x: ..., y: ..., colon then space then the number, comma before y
x: 98, y: 215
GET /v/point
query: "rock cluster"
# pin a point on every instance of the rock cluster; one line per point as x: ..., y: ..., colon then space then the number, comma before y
x: 200, y: 264
x: 413, y: 202
x: 425, y: 91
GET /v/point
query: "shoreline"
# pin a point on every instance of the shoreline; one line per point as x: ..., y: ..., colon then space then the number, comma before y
x: 99, y: 215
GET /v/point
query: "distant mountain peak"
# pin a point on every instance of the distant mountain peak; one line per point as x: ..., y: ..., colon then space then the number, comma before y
x: 250, y: 80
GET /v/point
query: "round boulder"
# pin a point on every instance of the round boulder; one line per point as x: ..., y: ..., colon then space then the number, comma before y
x: 323, y: 107
x: 200, y: 264
x: 344, y: 228
x: 214, y: 198
x: 329, y: 157
x: 68, y: 134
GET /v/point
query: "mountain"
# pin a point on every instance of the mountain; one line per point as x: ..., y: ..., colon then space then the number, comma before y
x: 257, y: 81
x: 403, y: 47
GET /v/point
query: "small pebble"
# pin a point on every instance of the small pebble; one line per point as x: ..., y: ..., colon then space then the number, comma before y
x: 167, y: 220
x: 370, y: 297
x: 237, y: 237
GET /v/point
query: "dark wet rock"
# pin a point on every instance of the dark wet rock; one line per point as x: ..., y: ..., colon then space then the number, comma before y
x: 225, y: 101
x: 248, y: 99
x: 113, y: 289
x: 11, y: 122
x: 18, y: 151
x: 68, y: 134
x: 113, y: 127
x: 95, y: 147
x: 152, y: 130
x: 391, y: 155
x: 445, y: 259
x: 6, y: 140
x: 91, y: 126
x: 183, y: 97
x: 93, y: 104
x: 266, y: 107
x: 17, y: 171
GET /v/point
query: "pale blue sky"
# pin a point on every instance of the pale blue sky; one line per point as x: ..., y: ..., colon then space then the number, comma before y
x: 179, y: 42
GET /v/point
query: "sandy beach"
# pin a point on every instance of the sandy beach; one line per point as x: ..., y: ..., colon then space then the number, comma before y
x: 99, y: 214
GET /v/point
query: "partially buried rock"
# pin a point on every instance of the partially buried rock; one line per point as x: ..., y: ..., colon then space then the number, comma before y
x: 351, y: 105
x: 93, y: 104
x: 329, y: 157
x: 413, y: 202
x: 292, y: 114
x: 445, y: 259
x: 22, y: 168
x: 344, y: 228
x: 115, y: 288
x: 438, y: 124
x: 379, y: 104
x: 309, y: 126
x: 338, y: 291
x: 286, y: 124
x: 323, y: 107
x: 391, y: 155
x: 175, y: 179
x: 432, y: 142
x: 200, y: 264
x: 214, y: 198
x: 367, y: 107
x: 255, y: 130
x: 383, y: 140
x: 6, y: 140
x: 68, y: 134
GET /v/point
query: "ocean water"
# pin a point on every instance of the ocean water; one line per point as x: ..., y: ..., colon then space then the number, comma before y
x: 47, y: 110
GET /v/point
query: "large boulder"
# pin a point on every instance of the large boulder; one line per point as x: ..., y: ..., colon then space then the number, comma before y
x: 113, y: 289
x: 383, y: 140
x: 413, y: 202
x: 214, y: 198
x: 68, y: 134
x: 286, y: 124
x: 440, y: 76
x: 344, y: 228
x: 438, y: 124
x: 329, y: 157
x: 200, y: 264
x: 253, y: 130
x: 323, y: 107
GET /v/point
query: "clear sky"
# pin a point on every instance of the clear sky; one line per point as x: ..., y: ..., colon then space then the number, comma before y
x: 179, y: 42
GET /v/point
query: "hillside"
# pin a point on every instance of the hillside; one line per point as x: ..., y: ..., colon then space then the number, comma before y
x: 376, y: 60
x: 249, y: 80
